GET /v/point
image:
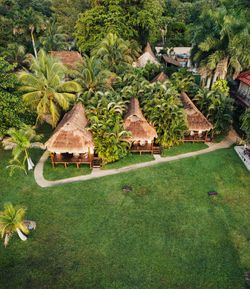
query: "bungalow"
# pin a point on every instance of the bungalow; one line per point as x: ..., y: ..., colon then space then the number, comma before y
x: 161, y: 77
x: 147, y: 57
x: 243, y: 93
x: 198, y: 125
x: 70, y: 59
x: 71, y: 142
x: 142, y: 133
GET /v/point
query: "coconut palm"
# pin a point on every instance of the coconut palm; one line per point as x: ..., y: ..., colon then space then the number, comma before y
x: 222, y: 42
x: 114, y: 52
x: 246, y: 124
x: 92, y: 76
x: 11, y: 221
x: 21, y: 141
x: 53, y: 37
x: 45, y: 89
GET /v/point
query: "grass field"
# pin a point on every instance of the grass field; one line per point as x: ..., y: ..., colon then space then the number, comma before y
x: 167, y: 233
x: 130, y: 159
x: 183, y: 148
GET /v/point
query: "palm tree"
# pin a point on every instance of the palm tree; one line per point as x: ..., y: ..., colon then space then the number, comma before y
x: 54, y: 38
x: 45, y: 89
x: 220, y: 112
x: 182, y: 80
x: 21, y: 141
x: 11, y: 221
x: 29, y: 22
x: 246, y: 124
x: 164, y: 110
x: 222, y: 42
x: 15, y: 53
x: 203, y: 99
x: 107, y: 128
x: 114, y: 52
x: 92, y: 76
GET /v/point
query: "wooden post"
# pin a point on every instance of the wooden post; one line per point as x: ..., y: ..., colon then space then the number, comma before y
x: 206, y: 137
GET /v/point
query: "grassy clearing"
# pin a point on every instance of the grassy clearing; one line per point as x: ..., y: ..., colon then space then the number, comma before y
x: 59, y: 172
x: 183, y: 148
x: 130, y: 159
x: 167, y: 233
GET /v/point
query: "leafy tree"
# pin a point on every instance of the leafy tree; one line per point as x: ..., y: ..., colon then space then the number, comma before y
x: 45, y: 89
x: 107, y: 127
x: 66, y: 13
x: 53, y: 38
x: 21, y: 139
x: 165, y: 111
x: 12, y: 221
x: 246, y: 124
x: 12, y: 110
x: 15, y: 54
x: 203, y: 99
x: 138, y: 20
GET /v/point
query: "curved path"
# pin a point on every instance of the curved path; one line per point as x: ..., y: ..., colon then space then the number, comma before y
x: 97, y: 173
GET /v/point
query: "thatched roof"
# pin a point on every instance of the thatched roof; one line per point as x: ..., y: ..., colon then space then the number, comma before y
x: 147, y: 57
x: 196, y: 120
x: 71, y: 135
x: 171, y: 60
x: 135, y: 122
x: 160, y: 77
x: 69, y: 58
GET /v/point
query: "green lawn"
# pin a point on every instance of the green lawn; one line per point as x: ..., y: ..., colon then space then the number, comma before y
x: 167, y: 233
x: 130, y: 159
x: 59, y: 172
x: 183, y: 148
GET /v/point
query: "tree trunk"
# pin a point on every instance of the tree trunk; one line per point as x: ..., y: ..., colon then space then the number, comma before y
x: 21, y: 235
x: 33, y: 41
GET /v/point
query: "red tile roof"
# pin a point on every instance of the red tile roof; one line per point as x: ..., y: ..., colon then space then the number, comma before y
x: 245, y: 77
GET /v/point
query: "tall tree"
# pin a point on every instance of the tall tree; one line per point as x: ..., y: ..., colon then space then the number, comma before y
x: 45, y: 89
x: 138, y: 20
x: 114, y: 52
x: 222, y: 41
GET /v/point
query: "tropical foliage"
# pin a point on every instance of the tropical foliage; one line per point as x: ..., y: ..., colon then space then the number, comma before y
x: 115, y: 53
x: 106, y: 125
x: 92, y: 76
x: 246, y: 124
x: 228, y: 41
x: 12, y: 110
x: 21, y: 141
x: 183, y: 80
x: 12, y: 221
x: 138, y: 20
x: 165, y: 112
x: 217, y: 107
x: 45, y: 89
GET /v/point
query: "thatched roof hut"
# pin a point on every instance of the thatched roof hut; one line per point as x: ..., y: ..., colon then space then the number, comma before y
x: 71, y: 135
x: 71, y: 59
x: 135, y: 122
x: 161, y: 77
x: 147, y: 57
x: 171, y: 61
x: 196, y: 120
